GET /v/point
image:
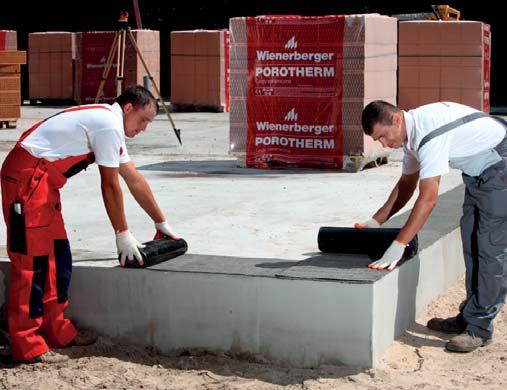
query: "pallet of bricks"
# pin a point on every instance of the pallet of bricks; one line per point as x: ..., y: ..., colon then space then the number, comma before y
x: 299, y: 84
x: 92, y: 49
x: 50, y: 67
x: 10, y: 79
x: 444, y: 61
x: 200, y: 70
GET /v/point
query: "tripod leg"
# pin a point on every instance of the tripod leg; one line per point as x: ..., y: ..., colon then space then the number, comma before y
x: 120, y: 70
x: 138, y: 52
x: 105, y: 73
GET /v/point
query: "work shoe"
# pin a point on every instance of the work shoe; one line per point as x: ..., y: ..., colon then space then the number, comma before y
x: 466, y: 342
x: 447, y: 325
x: 84, y: 337
x: 50, y: 357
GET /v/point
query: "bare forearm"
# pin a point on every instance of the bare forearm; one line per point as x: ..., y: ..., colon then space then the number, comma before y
x: 418, y: 217
x: 398, y: 198
x: 113, y: 201
x: 143, y: 195
x: 426, y: 201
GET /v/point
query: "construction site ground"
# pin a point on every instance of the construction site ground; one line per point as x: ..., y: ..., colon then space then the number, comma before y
x: 221, y: 209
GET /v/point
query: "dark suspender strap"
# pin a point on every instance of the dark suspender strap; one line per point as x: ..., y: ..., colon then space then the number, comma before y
x: 449, y: 126
x: 501, y: 120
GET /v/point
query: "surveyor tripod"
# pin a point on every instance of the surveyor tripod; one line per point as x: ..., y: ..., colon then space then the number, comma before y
x: 118, y: 47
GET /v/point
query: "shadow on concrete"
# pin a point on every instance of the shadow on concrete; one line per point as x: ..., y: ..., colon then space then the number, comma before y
x: 323, y: 266
x: 279, y: 265
x: 212, y: 168
x: 326, y: 261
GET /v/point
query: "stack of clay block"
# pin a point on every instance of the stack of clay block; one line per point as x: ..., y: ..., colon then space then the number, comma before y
x: 51, y: 65
x: 92, y: 49
x: 271, y: 102
x: 8, y: 40
x: 199, y: 69
x: 10, y: 85
x: 444, y: 61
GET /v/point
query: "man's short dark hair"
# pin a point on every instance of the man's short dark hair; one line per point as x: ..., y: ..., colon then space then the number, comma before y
x: 138, y: 96
x: 378, y: 111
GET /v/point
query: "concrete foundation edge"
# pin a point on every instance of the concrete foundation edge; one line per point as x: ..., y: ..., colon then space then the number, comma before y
x: 291, y: 322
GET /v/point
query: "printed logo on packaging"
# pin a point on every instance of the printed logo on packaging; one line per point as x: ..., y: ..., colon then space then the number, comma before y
x: 295, y: 91
x: 93, y: 53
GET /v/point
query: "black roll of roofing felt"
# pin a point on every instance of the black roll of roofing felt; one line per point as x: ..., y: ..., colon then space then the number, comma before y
x: 158, y: 251
x: 372, y: 242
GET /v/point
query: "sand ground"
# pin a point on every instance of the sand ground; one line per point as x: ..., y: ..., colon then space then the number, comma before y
x: 417, y: 360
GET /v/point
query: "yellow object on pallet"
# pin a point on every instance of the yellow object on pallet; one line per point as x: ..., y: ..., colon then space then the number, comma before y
x: 444, y: 12
x: 439, y: 12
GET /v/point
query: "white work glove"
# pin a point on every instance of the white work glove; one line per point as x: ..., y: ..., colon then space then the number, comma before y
x: 391, y: 257
x: 166, y: 230
x: 371, y: 223
x: 128, y: 248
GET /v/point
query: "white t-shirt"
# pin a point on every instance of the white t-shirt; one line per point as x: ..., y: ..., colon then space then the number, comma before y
x: 96, y: 128
x: 463, y: 141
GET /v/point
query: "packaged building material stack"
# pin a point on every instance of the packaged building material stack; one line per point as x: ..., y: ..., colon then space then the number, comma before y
x: 199, y: 70
x: 299, y: 84
x: 51, y: 58
x: 8, y: 40
x: 148, y: 42
x: 92, y: 49
x: 444, y: 61
x: 10, y: 86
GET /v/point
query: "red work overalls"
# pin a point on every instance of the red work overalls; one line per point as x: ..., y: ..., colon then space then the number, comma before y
x: 37, y: 244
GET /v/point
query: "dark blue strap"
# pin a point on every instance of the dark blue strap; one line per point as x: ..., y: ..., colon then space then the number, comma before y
x: 449, y: 126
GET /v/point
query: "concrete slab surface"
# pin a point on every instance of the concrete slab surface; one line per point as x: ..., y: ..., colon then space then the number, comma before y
x: 253, y: 279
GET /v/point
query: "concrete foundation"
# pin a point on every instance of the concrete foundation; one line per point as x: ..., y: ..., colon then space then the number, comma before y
x: 252, y: 280
x: 325, y: 309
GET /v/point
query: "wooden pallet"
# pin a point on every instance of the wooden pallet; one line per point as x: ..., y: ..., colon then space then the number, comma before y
x: 52, y: 102
x: 8, y: 123
x: 350, y: 163
x: 358, y: 163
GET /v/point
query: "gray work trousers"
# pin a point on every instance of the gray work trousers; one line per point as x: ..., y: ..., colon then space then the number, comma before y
x: 484, y: 236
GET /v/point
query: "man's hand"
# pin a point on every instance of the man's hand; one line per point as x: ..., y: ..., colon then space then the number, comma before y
x: 371, y: 223
x: 127, y: 247
x: 166, y: 230
x: 391, y: 257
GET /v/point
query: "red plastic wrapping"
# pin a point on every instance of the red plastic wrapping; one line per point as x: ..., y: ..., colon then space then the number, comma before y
x: 227, y: 43
x: 93, y: 50
x: 487, y: 63
x: 294, y: 91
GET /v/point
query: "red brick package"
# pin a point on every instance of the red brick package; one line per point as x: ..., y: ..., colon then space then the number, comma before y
x: 8, y: 40
x: 92, y: 49
x: 299, y: 84
x: 200, y: 69
x: 10, y: 84
x: 51, y: 65
x: 444, y: 61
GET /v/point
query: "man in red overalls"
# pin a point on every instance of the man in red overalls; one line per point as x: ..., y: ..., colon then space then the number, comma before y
x: 32, y: 174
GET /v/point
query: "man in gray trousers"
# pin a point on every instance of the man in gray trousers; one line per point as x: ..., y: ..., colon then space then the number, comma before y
x: 434, y: 137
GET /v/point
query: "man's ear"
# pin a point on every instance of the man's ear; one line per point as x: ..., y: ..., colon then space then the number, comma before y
x: 396, y: 119
x: 127, y: 107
